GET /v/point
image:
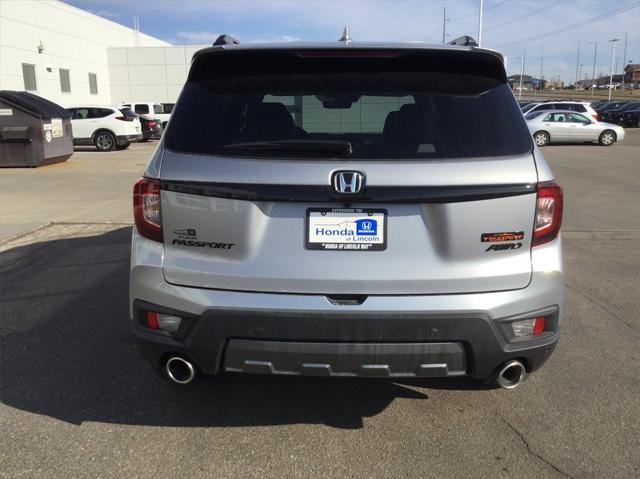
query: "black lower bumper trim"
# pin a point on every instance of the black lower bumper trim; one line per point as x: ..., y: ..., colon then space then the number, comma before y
x: 207, y: 341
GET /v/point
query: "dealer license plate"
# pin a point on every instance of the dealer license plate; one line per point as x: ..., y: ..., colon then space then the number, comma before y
x: 339, y: 229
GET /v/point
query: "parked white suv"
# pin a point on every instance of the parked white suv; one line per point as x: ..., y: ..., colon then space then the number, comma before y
x: 151, y: 110
x: 107, y: 128
x: 583, y: 107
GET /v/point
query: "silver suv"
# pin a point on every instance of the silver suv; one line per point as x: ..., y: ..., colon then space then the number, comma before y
x: 345, y: 209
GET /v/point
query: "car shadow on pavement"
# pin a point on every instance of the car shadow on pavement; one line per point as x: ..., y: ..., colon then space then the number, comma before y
x: 67, y: 352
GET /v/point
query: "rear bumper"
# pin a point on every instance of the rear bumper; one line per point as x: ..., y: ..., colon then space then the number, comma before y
x: 389, y: 336
x: 390, y: 344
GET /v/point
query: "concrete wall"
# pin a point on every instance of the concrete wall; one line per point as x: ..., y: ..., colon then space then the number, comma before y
x: 72, y: 38
x: 154, y: 74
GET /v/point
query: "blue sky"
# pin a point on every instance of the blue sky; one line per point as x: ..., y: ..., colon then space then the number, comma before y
x: 510, y: 26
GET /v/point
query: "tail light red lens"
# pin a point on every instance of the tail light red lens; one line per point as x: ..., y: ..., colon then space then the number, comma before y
x: 595, y: 117
x: 146, y: 208
x: 548, y: 213
x: 124, y: 118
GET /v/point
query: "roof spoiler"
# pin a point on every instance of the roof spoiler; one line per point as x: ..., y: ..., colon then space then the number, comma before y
x: 464, y: 41
x: 225, y: 40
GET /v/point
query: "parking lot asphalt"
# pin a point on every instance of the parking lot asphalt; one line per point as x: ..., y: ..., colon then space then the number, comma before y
x: 77, y: 400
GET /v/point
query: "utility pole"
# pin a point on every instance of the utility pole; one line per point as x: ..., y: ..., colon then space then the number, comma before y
x: 480, y: 24
x: 540, y: 83
x: 444, y: 24
x: 577, y: 63
x: 613, y: 54
x: 524, y: 54
x: 593, y: 72
x: 624, y: 60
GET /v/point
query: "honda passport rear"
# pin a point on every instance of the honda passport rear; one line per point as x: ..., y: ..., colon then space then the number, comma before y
x: 345, y: 209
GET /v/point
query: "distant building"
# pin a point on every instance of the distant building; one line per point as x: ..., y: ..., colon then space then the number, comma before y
x: 632, y: 73
x: 72, y: 57
x: 528, y: 82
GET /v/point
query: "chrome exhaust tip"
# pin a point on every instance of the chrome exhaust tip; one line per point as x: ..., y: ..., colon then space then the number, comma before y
x: 511, y: 374
x: 180, y: 370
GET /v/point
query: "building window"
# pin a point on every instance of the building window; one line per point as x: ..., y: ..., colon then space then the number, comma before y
x: 93, y: 83
x: 65, y: 82
x: 29, y: 75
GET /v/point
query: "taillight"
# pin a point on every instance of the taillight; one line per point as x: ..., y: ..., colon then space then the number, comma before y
x: 146, y: 208
x: 595, y: 117
x: 124, y: 118
x: 548, y: 213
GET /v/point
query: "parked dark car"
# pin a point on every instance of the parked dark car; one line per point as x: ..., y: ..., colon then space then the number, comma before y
x: 612, y: 115
x: 610, y: 105
x: 151, y: 129
x: 631, y: 117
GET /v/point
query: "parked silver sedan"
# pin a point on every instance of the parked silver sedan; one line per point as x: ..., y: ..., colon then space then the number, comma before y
x: 568, y: 126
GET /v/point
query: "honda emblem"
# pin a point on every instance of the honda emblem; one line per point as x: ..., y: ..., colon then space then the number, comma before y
x: 348, y: 182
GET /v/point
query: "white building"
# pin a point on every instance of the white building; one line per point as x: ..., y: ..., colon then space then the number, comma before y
x: 73, y: 57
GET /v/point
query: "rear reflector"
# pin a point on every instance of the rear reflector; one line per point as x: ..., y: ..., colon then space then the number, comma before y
x: 152, y: 320
x: 539, y: 325
x: 529, y: 327
x: 548, y: 217
x: 146, y: 208
x: 166, y: 322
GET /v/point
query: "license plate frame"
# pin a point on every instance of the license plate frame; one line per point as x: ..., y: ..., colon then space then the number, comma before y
x: 359, y: 217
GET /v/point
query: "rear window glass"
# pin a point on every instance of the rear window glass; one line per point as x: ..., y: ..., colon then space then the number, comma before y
x: 348, y: 107
x: 128, y: 112
x: 142, y: 108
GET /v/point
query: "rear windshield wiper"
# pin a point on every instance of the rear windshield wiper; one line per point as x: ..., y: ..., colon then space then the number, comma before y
x: 306, y: 147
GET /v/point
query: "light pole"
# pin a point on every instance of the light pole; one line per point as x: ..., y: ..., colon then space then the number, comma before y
x: 577, y: 61
x: 613, y: 53
x: 580, y: 71
x: 480, y: 23
x: 444, y: 24
x: 540, y: 83
x: 593, y: 72
x: 524, y: 54
x: 624, y: 60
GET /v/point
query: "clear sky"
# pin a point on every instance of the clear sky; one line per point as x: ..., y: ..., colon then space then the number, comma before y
x: 510, y: 26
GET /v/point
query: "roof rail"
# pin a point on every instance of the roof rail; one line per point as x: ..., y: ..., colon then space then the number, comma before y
x: 464, y: 41
x: 225, y: 40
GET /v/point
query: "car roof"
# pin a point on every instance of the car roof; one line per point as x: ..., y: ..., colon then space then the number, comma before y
x: 342, y: 45
x: 560, y: 111
x: 94, y: 106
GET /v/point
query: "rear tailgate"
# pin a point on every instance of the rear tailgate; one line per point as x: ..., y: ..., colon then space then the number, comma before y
x: 259, y: 245
x: 242, y: 222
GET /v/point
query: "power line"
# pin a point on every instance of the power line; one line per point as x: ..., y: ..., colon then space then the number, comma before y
x: 573, y: 26
x: 475, y: 14
x: 522, y: 17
